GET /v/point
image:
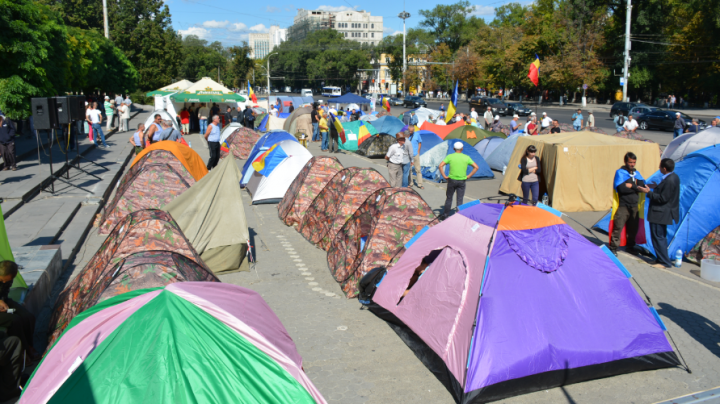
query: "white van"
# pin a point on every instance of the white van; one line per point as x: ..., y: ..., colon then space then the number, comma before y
x: 306, y: 92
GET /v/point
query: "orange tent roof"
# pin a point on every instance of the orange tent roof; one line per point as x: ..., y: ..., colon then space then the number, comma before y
x: 441, y: 130
x: 187, y: 156
x: 519, y: 217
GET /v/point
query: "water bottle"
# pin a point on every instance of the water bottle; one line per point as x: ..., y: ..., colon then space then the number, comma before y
x: 545, y: 199
x: 678, y: 258
x: 504, y: 168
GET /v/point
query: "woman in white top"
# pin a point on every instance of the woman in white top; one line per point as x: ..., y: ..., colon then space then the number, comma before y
x: 529, y: 169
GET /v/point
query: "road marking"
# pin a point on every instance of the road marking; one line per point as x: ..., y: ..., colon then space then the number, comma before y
x: 312, y: 284
x: 300, y: 265
x: 342, y: 328
x: 310, y: 278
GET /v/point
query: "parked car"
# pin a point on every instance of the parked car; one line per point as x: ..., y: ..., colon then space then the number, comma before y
x: 481, y: 104
x: 625, y: 108
x: 517, y: 108
x: 414, y: 101
x: 637, y: 111
x: 664, y: 119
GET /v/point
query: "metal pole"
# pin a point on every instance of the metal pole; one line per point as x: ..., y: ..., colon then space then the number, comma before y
x: 105, y: 19
x: 626, y: 58
x: 268, y: 80
x: 404, y: 15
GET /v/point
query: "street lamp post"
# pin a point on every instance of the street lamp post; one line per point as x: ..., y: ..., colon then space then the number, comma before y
x: 404, y: 15
x: 268, y: 74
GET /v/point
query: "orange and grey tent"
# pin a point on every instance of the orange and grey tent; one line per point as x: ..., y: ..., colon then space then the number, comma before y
x: 441, y: 130
x: 337, y: 202
x: 149, y: 230
x: 375, y: 233
x: 313, y: 178
x: 158, y: 175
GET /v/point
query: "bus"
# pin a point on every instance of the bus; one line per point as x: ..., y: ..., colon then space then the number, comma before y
x: 331, y: 91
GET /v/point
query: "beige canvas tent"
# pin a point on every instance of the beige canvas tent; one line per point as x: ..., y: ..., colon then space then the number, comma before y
x: 275, y: 123
x: 212, y: 216
x: 578, y: 167
x: 171, y: 88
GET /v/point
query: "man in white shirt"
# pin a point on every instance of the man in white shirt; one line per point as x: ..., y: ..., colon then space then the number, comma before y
x: 630, y: 125
x: 395, y: 156
x: 488, y: 116
x: 546, y: 121
x: 473, y: 114
x: 94, y: 118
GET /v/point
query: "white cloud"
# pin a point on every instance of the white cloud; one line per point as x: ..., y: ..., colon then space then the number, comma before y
x: 271, y: 9
x: 388, y: 30
x: 482, y: 10
x: 259, y: 28
x: 215, y: 24
x: 395, y: 33
x: 236, y: 27
x: 201, y: 33
x: 335, y: 9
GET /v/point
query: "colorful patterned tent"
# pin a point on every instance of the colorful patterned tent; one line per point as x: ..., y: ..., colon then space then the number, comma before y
x: 228, y: 130
x: 337, y: 202
x: 352, y: 133
x: 189, y: 342
x: 380, y: 227
x: 500, y: 301
x: 471, y: 134
x: 376, y: 146
x: 241, y: 142
x: 212, y: 216
x: 313, y: 178
x: 158, y: 178
x: 707, y: 248
x: 142, y: 230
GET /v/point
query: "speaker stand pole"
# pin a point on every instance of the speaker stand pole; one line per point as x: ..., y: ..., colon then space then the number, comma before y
x: 67, y: 151
x: 54, y: 177
x: 79, y: 157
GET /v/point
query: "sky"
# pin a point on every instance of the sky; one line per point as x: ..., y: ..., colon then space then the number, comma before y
x: 232, y: 23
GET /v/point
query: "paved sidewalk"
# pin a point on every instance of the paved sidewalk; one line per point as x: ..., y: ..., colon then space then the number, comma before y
x: 354, y: 357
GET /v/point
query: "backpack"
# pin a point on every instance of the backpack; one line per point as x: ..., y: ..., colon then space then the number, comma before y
x: 368, y: 284
x: 621, y: 120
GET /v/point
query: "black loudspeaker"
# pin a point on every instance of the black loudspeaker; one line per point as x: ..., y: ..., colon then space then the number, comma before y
x: 79, y: 108
x: 44, y: 113
x: 62, y: 106
x: 72, y: 106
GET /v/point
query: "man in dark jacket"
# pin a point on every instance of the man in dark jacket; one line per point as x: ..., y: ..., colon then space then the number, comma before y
x: 664, y: 209
x: 7, y: 143
x: 249, y: 118
x: 626, y: 183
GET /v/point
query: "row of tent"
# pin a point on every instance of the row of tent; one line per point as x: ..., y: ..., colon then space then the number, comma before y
x: 149, y: 297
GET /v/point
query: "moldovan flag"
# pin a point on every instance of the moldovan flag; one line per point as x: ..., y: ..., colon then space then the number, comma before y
x: 385, y: 104
x: 266, y: 162
x: 225, y: 145
x: 338, y: 126
x: 453, y: 102
x: 363, y: 133
x: 621, y: 176
x: 251, y: 93
x: 534, y: 74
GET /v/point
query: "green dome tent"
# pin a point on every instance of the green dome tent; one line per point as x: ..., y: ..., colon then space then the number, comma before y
x: 471, y: 134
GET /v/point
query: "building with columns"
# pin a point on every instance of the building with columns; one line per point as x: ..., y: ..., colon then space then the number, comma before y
x: 355, y: 25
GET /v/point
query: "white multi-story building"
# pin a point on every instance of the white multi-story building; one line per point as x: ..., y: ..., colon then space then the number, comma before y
x: 263, y: 44
x: 358, y: 26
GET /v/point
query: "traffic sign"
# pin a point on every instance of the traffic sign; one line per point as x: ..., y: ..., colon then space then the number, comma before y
x: 585, y: 86
x: 622, y: 81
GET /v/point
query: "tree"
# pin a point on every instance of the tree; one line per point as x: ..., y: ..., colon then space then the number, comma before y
x: 441, y: 75
x: 417, y: 42
x: 452, y: 24
x: 32, y: 41
x: 240, y: 64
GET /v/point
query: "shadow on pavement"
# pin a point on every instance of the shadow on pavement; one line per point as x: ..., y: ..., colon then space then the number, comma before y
x: 699, y: 327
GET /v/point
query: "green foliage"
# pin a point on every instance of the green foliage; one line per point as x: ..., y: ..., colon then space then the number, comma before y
x: 240, y: 65
x: 451, y: 24
x: 323, y: 56
x: 417, y: 42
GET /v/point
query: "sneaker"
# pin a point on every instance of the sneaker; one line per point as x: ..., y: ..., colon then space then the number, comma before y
x: 614, y: 252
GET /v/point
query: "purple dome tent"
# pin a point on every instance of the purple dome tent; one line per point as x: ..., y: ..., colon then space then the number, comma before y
x: 548, y: 308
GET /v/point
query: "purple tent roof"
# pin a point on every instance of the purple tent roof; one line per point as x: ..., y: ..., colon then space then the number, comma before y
x: 555, y: 309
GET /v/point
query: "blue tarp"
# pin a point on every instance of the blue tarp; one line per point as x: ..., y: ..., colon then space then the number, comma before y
x: 263, y: 124
x: 483, y: 172
x: 388, y: 124
x: 265, y: 142
x: 699, y: 174
x: 349, y: 98
x: 429, y: 140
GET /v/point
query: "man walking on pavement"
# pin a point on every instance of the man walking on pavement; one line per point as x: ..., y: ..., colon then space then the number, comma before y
x: 679, y: 127
x: 630, y: 124
x: 625, y: 211
x: 212, y: 135
x: 546, y: 121
x: 459, y: 163
x: 394, y: 157
x: 416, y: 143
x: 488, y: 115
x: 118, y: 103
x: 591, y: 120
x: 7, y: 144
x: 94, y: 118
x: 577, y: 119
x: 664, y: 209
